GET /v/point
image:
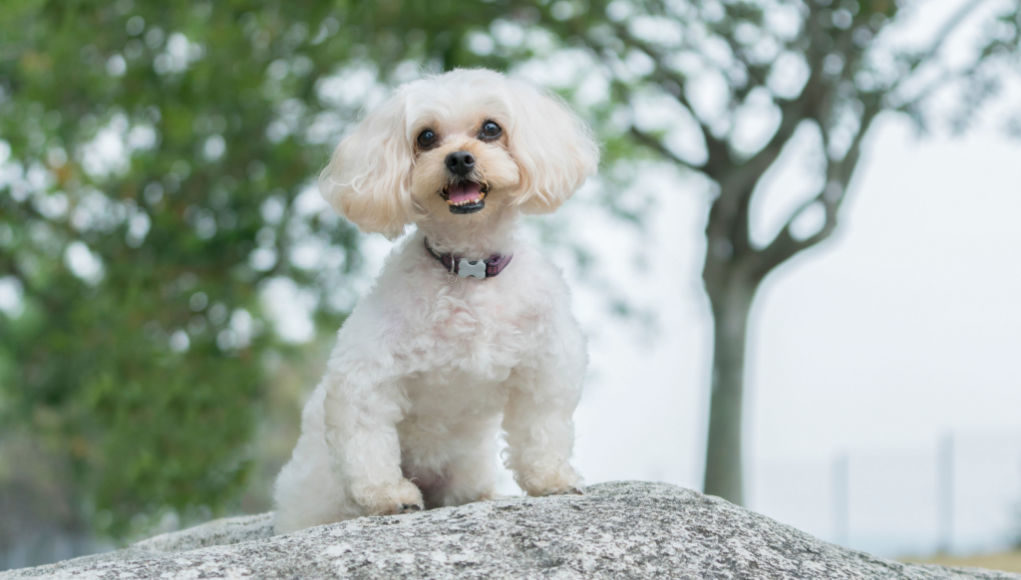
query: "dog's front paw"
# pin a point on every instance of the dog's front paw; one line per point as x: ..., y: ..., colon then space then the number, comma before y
x: 380, y: 500
x: 561, y: 481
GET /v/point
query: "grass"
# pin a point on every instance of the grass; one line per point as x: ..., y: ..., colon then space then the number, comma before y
x: 1006, y: 561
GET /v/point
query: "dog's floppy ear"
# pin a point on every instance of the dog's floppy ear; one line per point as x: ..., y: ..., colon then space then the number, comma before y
x: 368, y: 178
x: 555, y: 150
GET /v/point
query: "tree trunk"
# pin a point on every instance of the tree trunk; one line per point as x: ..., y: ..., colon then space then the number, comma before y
x: 731, y: 300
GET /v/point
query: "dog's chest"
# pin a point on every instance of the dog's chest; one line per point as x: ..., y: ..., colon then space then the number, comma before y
x: 476, y: 331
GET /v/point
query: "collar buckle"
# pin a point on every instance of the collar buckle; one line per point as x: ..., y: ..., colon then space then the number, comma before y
x: 471, y: 269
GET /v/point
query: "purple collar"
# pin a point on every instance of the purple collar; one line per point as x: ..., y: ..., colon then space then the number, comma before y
x: 463, y: 268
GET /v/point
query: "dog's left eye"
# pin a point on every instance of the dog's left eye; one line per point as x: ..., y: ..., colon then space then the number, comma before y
x: 490, y: 130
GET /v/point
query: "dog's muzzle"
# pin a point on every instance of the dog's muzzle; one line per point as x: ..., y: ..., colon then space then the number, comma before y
x: 465, y: 196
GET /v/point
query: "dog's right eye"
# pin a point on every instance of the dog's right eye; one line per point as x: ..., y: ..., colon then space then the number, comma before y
x: 426, y: 139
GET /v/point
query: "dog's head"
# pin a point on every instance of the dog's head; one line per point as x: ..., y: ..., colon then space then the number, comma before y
x: 458, y: 146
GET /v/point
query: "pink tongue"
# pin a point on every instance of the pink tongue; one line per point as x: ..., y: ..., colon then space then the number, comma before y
x: 464, y: 191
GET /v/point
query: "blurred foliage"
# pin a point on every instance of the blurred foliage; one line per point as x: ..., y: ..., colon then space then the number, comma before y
x: 155, y: 164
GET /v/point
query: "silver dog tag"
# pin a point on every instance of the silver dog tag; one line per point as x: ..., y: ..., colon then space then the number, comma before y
x: 471, y: 268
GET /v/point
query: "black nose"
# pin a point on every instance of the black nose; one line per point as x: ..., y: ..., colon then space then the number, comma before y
x: 460, y: 163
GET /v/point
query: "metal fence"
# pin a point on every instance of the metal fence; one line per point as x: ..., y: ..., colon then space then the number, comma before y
x: 961, y: 494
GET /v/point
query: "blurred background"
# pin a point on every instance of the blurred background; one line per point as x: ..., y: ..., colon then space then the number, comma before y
x: 798, y: 266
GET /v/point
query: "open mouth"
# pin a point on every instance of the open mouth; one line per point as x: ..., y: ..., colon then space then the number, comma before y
x: 465, y: 196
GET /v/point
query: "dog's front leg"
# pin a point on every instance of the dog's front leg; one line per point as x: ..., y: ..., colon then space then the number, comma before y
x: 539, y: 426
x: 361, y: 432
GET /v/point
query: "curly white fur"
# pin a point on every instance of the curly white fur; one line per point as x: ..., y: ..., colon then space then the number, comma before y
x: 409, y: 410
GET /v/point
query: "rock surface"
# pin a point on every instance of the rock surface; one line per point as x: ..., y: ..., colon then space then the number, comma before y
x: 615, y: 530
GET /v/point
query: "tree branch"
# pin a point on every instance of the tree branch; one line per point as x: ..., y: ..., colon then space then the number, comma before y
x: 839, y: 173
x: 718, y: 150
x: 950, y: 25
x: 940, y: 38
x: 808, y: 104
x: 658, y: 146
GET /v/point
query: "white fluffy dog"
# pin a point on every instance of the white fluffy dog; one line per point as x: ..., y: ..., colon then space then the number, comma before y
x: 456, y: 335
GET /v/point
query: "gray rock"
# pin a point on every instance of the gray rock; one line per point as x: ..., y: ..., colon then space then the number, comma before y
x: 615, y: 530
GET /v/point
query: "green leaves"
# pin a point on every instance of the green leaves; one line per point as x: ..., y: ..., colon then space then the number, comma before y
x: 887, y: 8
x: 157, y: 154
